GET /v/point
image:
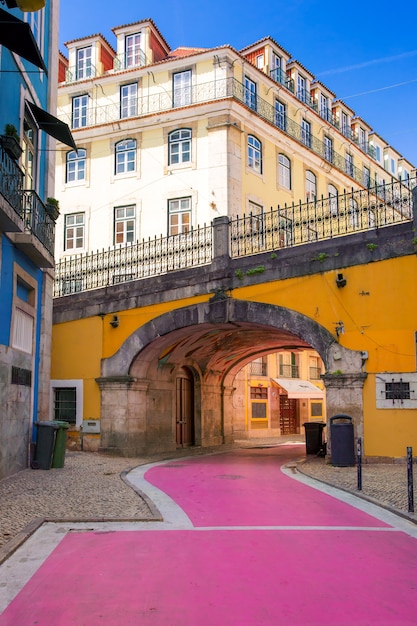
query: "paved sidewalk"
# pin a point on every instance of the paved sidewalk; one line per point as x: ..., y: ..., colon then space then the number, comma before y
x: 91, y: 486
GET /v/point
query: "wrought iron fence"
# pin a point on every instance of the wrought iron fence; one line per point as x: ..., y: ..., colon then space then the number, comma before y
x: 37, y: 220
x: 11, y: 181
x: 324, y: 218
x: 143, y: 259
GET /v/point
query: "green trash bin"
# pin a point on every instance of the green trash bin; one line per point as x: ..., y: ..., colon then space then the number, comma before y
x: 58, y: 458
x: 45, y: 444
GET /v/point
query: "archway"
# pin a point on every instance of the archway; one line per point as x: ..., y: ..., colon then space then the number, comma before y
x: 214, y: 340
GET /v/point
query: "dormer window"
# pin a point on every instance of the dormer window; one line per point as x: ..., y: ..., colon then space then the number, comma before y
x: 301, y: 88
x: 362, y: 139
x: 133, y: 54
x: 84, y: 66
x: 344, y: 125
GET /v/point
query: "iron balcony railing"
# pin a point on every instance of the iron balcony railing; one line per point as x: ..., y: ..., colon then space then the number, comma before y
x: 280, y: 77
x: 258, y: 369
x: 143, y: 259
x: 37, y: 221
x: 287, y: 226
x: 323, y: 218
x: 11, y: 181
x: 208, y: 92
x: 80, y: 72
x: 288, y: 371
x: 315, y: 373
x: 26, y: 203
x: 135, y: 58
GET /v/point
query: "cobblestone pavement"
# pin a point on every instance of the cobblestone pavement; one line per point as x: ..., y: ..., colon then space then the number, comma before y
x: 383, y: 483
x: 91, y: 486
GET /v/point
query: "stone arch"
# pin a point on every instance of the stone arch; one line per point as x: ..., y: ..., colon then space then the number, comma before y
x: 137, y: 383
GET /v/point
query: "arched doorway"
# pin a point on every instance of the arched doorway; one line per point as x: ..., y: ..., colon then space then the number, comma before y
x: 184, y: 407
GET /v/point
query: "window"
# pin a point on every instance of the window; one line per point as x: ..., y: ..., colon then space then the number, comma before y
x: 30, y: 140
x: 325, y: 112
x: 301, y: 88
x: 306, y: 133
x: 280, y: 115
x: 393, y: 167
x: 125, y: 156
x: 259, y: 367
x: 65, y: 404
x: 23, y: 325
x: 328, y: 148
x: 84, y: 67
x: 345, y: 124
x: 378, y: 154
x: 132, y: 50
x: 179, y: 216
x: 79, y: 111
x: 36, y: 20
x: 311, y: 191
x: 179, y: 146
x: 74, y: 231
x: 366, y: 174
x: 276, y: 69
x: 288, y: 364
x: 255, y: 223
x: 75, y: 168
x: 349, y: 164
x: 362, y: 139
x: 333, y: 200
x: 128, y: 100
x: 254, y: 154
x: 124, y: 224
x: 284, y: 171
x: 181, y: 87
x: 250, y: 93
x: 353, y: 212
x: 314, y: 368
x: 260, y: 61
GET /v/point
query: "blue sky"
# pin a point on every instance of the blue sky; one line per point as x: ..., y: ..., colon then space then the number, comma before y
x: 365, y: 52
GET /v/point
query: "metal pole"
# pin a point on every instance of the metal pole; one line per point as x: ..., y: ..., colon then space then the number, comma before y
x: 410, y: 479
x: 359, y: 455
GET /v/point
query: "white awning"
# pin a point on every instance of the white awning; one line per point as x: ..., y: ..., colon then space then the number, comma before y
x: 297, y: 389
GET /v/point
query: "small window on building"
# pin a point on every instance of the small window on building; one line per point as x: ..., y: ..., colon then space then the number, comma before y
x: 179, y: 146
x: 128, y: 100
x: 179, y: 216
x: 75, y: 165
x: 316, y: 409
x: 250, y: 93
x: 124, y: 224
x: 284, y: 171
x: 74, y: 231
x: 181, y: 88
x: 125, y: 156
x: 311, y: 188
x: 254, y: 154
x: 65, y: 404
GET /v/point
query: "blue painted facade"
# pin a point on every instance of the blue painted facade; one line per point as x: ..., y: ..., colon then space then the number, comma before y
x: 26, y: 243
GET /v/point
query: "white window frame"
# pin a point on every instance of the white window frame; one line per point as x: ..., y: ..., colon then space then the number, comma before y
x: 133, y: 51
x: 75, y: 166
x: 128, y: 100
x: 79, y: 111
x: 179, y: 146
x: 284, y: 171
x: 124, y: 224
x: 79, y: 397
x: 250, y: 93
x: 84, y: 65
x: 306, y: 133
x: 301, y: 88
x: 280, y: 114
x: 311, y: 186
x: 349, y: 163
x: 254, y: 154
x: 333, y: 200
x: 328, y: 148
x: 180, y: 207
x: 78, y: 225
x: 125, y: 157
x: 182, y: 88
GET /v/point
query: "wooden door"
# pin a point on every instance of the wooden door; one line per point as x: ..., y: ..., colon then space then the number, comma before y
x: 185, y: 409
x: 288, y: 415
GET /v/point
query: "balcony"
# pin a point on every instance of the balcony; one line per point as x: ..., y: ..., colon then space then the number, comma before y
x: 280, y: 77
x: 23, y: 216
x: 136, y: 58
x: 315, y: 373
x: 76, y: 73
x: 288, y: 371
x: 162, y: 101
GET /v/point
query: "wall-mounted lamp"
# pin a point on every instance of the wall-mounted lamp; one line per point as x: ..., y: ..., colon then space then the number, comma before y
x: 114, y: 322
x: 340, y: 280
x: 339, y: 328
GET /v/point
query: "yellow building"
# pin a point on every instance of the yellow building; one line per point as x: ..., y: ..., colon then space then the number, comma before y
x: 170, y: 140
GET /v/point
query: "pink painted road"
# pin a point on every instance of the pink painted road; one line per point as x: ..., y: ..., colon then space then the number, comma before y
x: 247, y: 545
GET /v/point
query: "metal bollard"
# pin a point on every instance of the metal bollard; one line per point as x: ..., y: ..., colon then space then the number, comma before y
x: 359, y: 455
x: 410, y: 479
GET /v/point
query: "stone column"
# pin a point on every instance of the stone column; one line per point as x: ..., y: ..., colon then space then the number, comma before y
x: 123, y: 415
x: 344, y: 395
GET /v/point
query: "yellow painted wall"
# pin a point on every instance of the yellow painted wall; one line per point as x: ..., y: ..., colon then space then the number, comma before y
x: 369, y: 306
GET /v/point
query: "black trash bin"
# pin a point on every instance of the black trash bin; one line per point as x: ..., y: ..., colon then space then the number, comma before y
x: 45, y: 444
x: 314, y: 436
x: 342, y: 440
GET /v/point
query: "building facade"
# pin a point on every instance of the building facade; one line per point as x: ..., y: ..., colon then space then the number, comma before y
x: 170, y: 139
x: 28, y: 66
